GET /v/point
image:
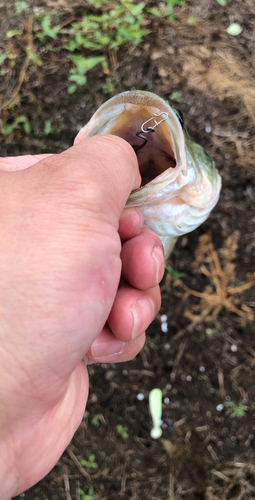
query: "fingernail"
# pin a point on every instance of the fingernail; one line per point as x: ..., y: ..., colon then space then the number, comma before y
x: 158, y: 257
x: 100, y: 349
x: 142, y: 309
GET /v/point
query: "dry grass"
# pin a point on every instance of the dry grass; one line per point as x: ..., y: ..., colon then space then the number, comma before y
x: 221, y: 292
x: 221, y: 73
x: 235, y: 482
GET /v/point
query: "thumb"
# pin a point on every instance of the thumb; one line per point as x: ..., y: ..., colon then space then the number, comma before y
x: 108, y: 166
x: 99, y: 172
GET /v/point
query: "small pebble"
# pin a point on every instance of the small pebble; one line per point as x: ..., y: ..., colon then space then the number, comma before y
x: 163, y: 318
x: 38, y: 10
x: 202, y: 369
x: 83, y: 104
x: 164, y: 327
x: 166, y: 401
x: 188, y: 378
x: 233, y: 348
x: 140, y: 396
x: 208, y: 129
x: 220, y: 407
x: 167, y: 347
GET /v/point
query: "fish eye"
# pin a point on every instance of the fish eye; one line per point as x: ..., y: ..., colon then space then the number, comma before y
x: 180, y: 117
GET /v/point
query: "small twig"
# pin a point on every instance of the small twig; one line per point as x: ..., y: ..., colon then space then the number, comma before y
x: 67, y: 485
x: 171, y: 486
x: 241, y: 288
x: 221, y: 383
x: 77, y: 463
x: 212, y: 453
x: 221, y: 476
x: 191, y: 326
x: 177, y: 360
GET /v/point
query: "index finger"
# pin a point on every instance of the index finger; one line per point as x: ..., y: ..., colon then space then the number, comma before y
x: 14, y: 163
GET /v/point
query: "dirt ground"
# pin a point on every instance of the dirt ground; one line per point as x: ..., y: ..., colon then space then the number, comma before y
x: 205, y: 363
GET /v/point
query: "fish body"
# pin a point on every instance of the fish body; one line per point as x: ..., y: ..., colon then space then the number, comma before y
x: 180, y: 184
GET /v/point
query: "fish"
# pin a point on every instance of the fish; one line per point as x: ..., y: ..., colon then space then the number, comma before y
x: 180, y: 183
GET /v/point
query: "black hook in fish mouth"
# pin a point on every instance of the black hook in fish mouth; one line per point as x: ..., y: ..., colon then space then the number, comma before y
x: 138, y: 134
x: 149, y: 129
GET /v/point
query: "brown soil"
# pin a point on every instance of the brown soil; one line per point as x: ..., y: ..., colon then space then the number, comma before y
x: 208, y: 356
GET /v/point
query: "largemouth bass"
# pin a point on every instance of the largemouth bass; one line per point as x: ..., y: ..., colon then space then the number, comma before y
x: 180, y: 184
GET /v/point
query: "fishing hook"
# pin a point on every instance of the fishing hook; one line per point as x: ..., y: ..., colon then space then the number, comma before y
x: 149, y: 129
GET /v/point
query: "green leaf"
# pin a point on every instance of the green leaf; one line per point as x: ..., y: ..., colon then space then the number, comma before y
x: 45, y: 24
x: 91, y: 62
x: 89, y: 464
x: 11, y: 33
x: 122, y: 431
x: 47, y: 128
x: 176, y: 95
x: 234, y: 29
x: 71, y: 45
x: 174, y: 273
x: 79, y: 79
x: 191, y: 19
x: 3, y: 57
x: 20, y: 6
x: 238, y: 410
x: 27, y: 127
x: 33, y: 56
x: 137, y: 9
x: 71, y: 89
x: 223, y: 3
x: 210, y: 332
x: 155, y: 12
x: 96, y: 420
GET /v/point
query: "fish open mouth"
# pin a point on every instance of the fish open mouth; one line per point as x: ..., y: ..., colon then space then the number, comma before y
x: 150, y: 138
x: 149, y: 124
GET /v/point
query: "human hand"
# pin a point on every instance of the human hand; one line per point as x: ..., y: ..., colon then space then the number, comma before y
x: 61, y: 260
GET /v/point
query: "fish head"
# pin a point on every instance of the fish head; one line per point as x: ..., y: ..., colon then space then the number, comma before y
x: 180, y: 184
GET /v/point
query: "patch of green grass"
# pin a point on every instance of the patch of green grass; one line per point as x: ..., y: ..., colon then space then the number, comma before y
x: 19, y: 122
x: 122, y: 431
x: 90, y: 463
x: 96, y: 420
x: 210, y: 332
x: 85, y: 40
x: 173, y: 273
x: 166, y: 9
x: 176, y: 96
x: 47, y: 128
x: 238, y: 411
x: 223, y: 3
x: 20, y: 6
x: 83, y: 65
x: 109, y: 85
x: 87, y: 496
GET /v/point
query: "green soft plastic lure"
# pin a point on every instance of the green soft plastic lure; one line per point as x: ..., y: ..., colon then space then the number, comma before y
x: 155, y: 404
